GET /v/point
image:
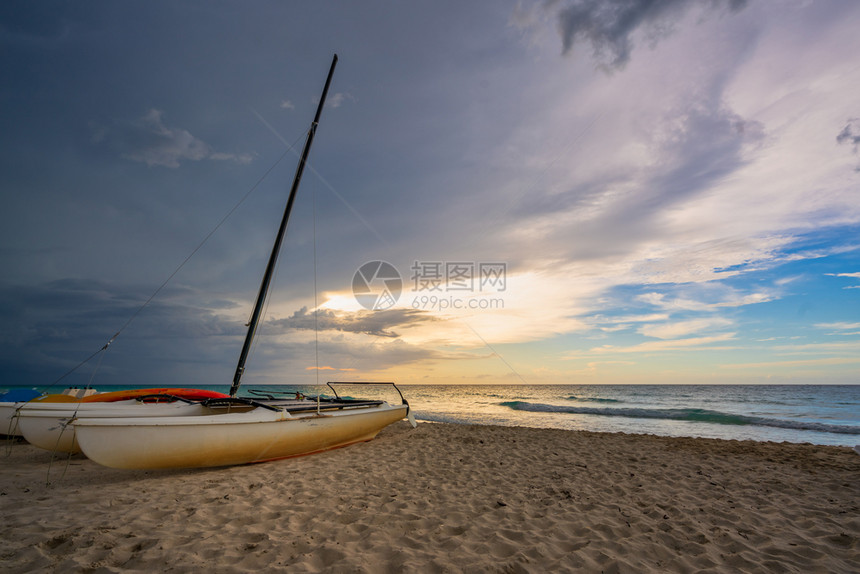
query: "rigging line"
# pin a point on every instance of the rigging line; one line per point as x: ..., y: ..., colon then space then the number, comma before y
x: 103, y: 351
x: 495, y: 352
x: 316, y: 304
x: 93, y: 376
x: 349, y: 206
x: 196, y: 249
x: 211, y: 233
x: 81, y: 364
x: 331, y: 188
x: 260, y: 333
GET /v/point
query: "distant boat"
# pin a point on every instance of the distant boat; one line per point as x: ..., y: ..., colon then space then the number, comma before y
x: 234, y: 430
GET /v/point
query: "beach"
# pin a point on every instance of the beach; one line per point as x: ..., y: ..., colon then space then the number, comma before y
x: 447, y: 498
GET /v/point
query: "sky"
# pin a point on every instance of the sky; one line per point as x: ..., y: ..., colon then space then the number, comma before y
x: 569, y: 191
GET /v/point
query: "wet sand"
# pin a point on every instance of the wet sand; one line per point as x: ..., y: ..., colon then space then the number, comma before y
x: 447, y: 498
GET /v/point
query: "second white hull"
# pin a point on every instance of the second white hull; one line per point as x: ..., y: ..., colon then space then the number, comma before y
x: 47, y: 425
x: 8, y: 420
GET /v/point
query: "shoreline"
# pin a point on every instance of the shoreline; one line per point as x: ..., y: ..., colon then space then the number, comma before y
x: 818, y: 414
x: 448, y: 498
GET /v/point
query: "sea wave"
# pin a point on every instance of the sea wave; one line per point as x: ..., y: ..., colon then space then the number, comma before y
x: 592, y: 399
x: 688, y: 414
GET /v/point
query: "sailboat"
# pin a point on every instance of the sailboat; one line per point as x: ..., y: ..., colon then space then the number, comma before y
x: 240, y: 430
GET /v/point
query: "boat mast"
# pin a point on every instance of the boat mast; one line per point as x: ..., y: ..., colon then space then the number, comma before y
x: 273, y: 258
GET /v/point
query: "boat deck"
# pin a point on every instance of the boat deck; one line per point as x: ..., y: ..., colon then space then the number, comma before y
x: 302, y: 405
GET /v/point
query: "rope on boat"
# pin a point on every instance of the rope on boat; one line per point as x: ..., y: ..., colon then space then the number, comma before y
x: 181, y: 265
x: 54, y: 451
x: 10, y: 438
x: 316, y: 303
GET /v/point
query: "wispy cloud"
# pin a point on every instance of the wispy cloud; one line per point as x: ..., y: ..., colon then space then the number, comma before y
x: 854, y: 275
x: 794, y: 363
x: 336, y: 100
x: 838, y: 326
x: 690, y: 344
x: 848, y: 275
x: 836, y: 347
x: 150, y: 141
x: 683, y: 328
x: 727, y: 299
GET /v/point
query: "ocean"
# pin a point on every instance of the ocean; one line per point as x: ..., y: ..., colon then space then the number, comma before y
x: 818, y: 414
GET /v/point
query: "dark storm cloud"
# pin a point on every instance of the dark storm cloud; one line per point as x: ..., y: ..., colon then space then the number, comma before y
x: 36, y: 23
x: 696, y: 146
x: 850, y: 135
x: 704, y: 145
x: 609, y: 25
x: 150, y: 141
x: 47, y: 329
x: 378, y: 323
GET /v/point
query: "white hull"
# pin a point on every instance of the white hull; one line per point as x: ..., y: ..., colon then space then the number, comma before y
x: 46, y: 425
x: 9, y: 410
x: 8, y: 420
x: 228, y: 438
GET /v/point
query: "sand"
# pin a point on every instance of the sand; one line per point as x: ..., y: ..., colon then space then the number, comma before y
x: 447, y: 498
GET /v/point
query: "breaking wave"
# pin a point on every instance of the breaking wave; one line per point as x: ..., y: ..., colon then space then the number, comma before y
x: 692, y: 415
x: 592, y: 399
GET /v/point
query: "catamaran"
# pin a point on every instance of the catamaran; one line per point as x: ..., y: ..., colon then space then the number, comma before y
x: 238, y: 430
x: 45, y: 421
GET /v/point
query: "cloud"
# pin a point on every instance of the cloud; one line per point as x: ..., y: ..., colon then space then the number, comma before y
x: 37, y: 25
x: 611, y: 324
x: 840, y: 328
x: 839, y: 325
x: 849, y: 275
x: 377, y: 323
x: 687, y: 152
x: 683, y: 328
x: 854, y: 275
x: 148, y: 140
x: 793, y: 364
x: 52, y: 327
x: 691, y: 344
x: 728, y: 298
x: 610, y: 25
x: 287, y: 105
x: 850, y: 135
x: 336, y: 100
x: 832, y: 348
